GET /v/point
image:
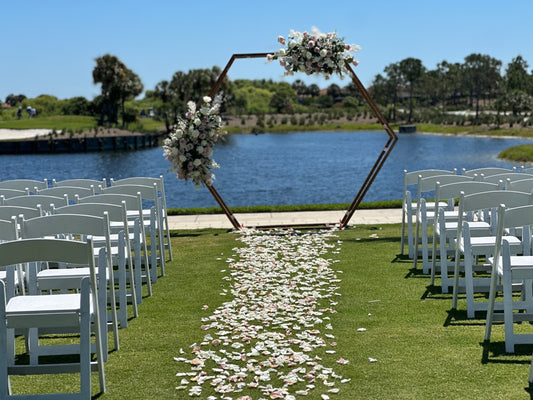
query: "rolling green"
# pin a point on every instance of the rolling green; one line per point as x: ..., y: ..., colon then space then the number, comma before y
x: 423, y: 350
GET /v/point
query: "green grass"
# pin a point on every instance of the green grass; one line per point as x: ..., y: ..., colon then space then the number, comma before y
x: 74, y: 123
x: 423, y: 350
x: 522, y: 153
x: 289, y: 208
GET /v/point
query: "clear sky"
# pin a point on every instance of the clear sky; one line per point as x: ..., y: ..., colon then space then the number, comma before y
x: 49, y: 47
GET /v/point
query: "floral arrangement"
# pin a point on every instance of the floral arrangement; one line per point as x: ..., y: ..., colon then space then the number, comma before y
x: 314, y: 53
x: 189, y: 146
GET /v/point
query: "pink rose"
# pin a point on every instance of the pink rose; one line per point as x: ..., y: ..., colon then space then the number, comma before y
x: 281, y: 39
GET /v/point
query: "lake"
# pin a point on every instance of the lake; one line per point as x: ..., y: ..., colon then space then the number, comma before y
x: 279, y: 169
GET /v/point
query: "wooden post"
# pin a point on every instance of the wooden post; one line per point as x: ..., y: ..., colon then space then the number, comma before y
x: 393, y: 138
x: 224, y: 207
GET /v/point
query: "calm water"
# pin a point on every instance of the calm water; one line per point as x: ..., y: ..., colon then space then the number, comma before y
x: 297, y: 168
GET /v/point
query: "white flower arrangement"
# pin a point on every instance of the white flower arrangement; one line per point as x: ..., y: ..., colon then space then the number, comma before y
x: 189, y: 146
x: 317, y: 52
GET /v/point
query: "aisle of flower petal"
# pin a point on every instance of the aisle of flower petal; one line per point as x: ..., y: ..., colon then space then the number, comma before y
x: 275, y: 331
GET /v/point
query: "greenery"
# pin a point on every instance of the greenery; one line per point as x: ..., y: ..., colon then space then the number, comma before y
x: 423, y: 350
x: 285, y: 208
x: 469, y: 97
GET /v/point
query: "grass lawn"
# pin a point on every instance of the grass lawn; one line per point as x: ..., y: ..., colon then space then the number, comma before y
x: 422, y: 350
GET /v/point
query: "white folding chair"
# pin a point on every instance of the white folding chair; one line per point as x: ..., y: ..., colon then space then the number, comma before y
x: 153, y: 223
x: 73, y: 310
x: 148, y: 181
x: 471, y: 248
x: 425, y: 217
x: 139, y: 241
x: 82, y: 226
x: 445, y: 229
x: 117, y: 215
x: 409, y: 204
x: 511, y: 270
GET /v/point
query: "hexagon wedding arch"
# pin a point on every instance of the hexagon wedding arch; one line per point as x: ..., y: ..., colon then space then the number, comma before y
x: 308, y: 53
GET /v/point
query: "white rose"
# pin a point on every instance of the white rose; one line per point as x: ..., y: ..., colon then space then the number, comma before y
x: 200, y: 149
x: 207, y: 99
x: 182, y: 158
x: 197, y: 162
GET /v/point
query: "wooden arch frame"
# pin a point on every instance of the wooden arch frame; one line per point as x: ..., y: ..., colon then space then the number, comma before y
x: 393, y: 138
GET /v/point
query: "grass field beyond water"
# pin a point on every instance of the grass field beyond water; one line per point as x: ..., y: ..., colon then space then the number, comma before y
x: 422, y: 350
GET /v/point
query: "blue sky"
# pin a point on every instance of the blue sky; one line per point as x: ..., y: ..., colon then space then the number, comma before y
x: 49, y: 47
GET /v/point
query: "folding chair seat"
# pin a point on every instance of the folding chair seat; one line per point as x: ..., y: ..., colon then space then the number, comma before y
x: 27, y: 185
x: 82, y: 226
x: 141, y: 262
x: 410, y: 204
x: 79, y: 311
x: 149, y: 181
x: 472, y: 248
x: 511, y: 271
x: 425, y: 218
x: 445, y: 229
x: 153, y: 222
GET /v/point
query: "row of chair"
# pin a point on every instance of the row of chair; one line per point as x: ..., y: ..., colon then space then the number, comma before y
x: 48, y: 234
x: 483, y: 246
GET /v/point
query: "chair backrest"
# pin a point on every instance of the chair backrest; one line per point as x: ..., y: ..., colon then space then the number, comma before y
x: 486, y: 171
x: 147, y: 192
x: 492, y: 199
x: 411, y: 178
x: 453, y: 190
x: 505, y: 178
x: 46, y: 202
x: 6, y: 212
x: 9, y: 229
x: 523, y: 185
x: 70, y: 191
x: 8, y: 193
x: 52, y: 250
x: 115, y: 212
x: 57, y: 224
x: 132, y: 202
x: 513, y: 217
x: 24, y: 184
x: 80, y: 182
x: 429, y: 183
x: 145, y: 181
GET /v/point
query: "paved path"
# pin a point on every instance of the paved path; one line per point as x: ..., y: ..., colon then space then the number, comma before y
x: 360, y: 217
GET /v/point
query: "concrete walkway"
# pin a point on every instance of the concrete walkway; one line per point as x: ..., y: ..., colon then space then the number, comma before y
x: 360, y: 217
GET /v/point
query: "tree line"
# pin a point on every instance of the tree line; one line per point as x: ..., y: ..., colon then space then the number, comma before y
x: 405, y: 90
